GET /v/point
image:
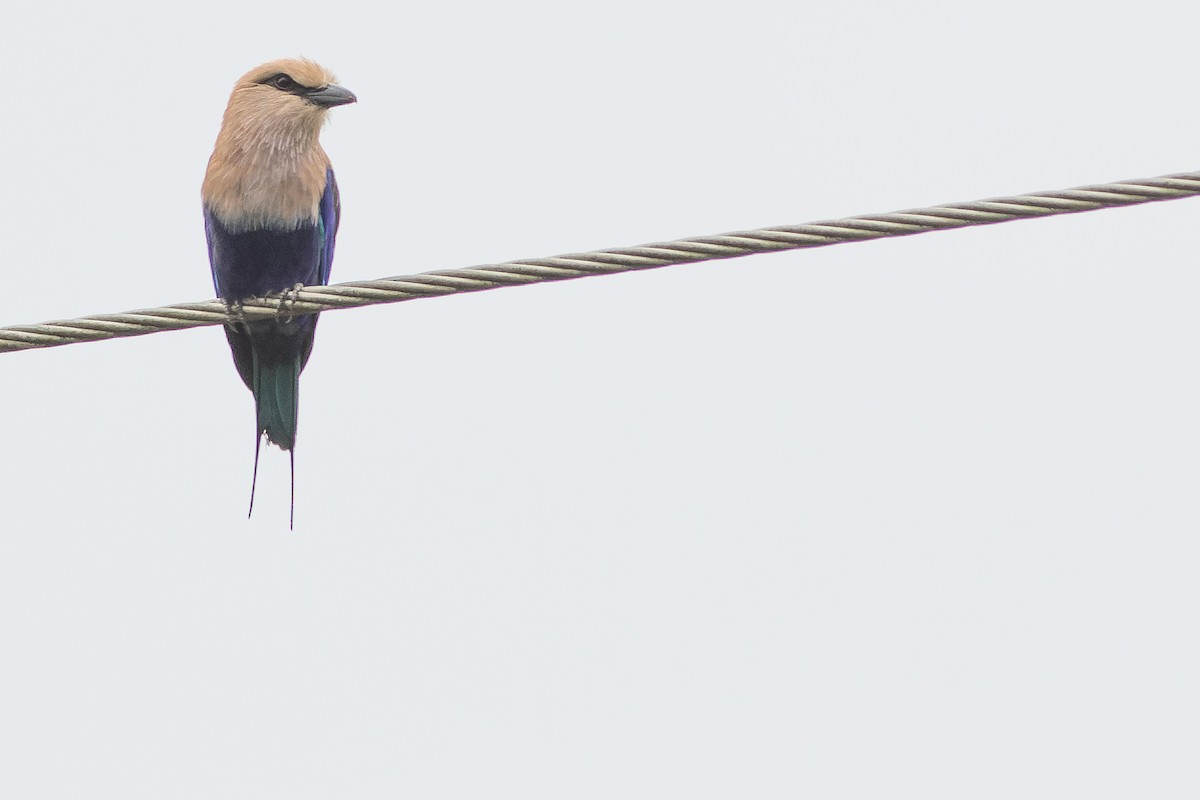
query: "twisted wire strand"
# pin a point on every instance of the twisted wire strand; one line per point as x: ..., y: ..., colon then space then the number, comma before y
x: 354, y: 294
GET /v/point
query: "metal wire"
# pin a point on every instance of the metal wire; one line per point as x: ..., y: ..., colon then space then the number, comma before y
x: 312, y: 299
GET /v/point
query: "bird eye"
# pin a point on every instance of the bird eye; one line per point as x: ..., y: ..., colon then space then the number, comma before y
x: 283, y: 82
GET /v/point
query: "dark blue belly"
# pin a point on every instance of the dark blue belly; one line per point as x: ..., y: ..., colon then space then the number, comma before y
x: 255, y: 263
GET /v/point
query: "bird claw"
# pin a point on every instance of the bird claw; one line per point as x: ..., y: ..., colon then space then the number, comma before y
x: 288, y: 298
x: 235, y: 310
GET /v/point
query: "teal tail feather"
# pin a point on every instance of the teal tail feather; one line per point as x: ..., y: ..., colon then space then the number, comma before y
x: 277, y: 402
x: 276, y: 398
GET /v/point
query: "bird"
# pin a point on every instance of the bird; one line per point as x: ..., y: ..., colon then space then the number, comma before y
x: 271, y: 213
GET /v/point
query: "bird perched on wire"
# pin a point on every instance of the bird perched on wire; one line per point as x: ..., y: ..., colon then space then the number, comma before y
x: 271, y: 211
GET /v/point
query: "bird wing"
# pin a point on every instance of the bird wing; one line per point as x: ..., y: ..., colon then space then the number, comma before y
x: 330, y: 217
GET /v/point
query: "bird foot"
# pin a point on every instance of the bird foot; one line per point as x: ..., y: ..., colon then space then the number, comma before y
x: 288, y: 299
x: 235, y: 310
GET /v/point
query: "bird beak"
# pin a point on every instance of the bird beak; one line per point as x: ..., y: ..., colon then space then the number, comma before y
x: 332, y: 95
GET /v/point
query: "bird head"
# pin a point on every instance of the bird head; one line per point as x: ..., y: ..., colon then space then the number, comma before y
x: 293, y: 92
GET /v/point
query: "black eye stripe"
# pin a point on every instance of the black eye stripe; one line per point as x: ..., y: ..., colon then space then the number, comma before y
x: 284, y: 83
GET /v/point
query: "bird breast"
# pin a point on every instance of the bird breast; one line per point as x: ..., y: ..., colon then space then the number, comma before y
x: 265, y: 183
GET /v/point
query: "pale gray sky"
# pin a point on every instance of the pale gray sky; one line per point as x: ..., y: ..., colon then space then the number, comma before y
x: 912, y: 518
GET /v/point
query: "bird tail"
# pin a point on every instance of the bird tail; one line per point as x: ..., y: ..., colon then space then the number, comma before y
x: 276, y: 399
x: 269, y: 357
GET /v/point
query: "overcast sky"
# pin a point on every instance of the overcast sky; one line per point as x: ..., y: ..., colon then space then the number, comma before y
x: 909, y: 518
